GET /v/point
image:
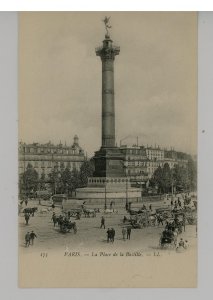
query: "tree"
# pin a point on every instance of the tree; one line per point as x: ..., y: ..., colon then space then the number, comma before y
x: 156, y: 180
x: 42, y: 181
x: 192, y: 174
x: 75, y: 180
x: 66, y: 178
x: 166, y: 180
x: 162, y: 179
x: 55, y: 180
x: 86, y: 170
x: 30, y: 180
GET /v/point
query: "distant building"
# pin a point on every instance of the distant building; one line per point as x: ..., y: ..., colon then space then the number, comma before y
x: 44, y: 157
x: 135, y: 164
x: 154, y: 153
x: 141, y: 162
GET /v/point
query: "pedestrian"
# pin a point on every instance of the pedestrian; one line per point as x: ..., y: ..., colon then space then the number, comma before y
x: 160, y: 219
x: 128, y: 233
x: 181, y: 243
x: 108, y: 235
x: 124, y: 233
x: 150, y: 207
x: 102, y: 222
x: 144, y: 207
x: 171, y: 202
x: 186, y: 244
x: 127, y: 207
x: 54, y: 219
x: 27, y: 217
x: 32, y: 236
x: 53, y: 206
x: 112, y: 235
x: 27, y: 239
x: 26, y: 202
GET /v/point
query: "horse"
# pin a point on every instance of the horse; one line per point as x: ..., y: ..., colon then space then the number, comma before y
x: 30, y: 210
x: 89, y: 212
x: 108, y: 211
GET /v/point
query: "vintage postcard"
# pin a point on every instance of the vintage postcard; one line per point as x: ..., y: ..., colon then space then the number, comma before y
x: 107, y: 149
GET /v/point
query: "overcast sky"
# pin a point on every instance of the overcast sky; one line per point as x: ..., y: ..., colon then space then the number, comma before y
x: 155, y: 78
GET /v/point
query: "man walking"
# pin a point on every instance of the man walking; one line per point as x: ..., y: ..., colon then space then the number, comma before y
x: 27, y: 217
x: 128, y: 233
x: 102, y: 222
x: 27, y: 239
x: 112, y: 235
x: 32, y: 236
x: 108, y: 235
x: 54, y: 219
x: 124, y: 233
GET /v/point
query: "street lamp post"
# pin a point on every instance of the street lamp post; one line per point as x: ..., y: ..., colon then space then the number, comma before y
x: 125, y: 168
x: 127, y: 194
x: 105, y: 203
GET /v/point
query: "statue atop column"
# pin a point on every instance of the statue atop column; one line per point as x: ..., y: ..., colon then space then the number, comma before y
x: 107, y: 26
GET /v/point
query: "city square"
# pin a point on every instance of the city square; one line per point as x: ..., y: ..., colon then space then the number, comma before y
x: 90, y: 237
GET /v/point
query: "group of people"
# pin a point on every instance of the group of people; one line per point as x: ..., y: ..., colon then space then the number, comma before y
x: 126, y: 233
x: 110, y: 235
x: 182, y: 244
x: 25, y: 201
x: 66, y: 218
x: 29, y: 238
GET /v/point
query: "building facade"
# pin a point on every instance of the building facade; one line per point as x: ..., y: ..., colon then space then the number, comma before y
x: 141, y: 162
x: 44, y: 157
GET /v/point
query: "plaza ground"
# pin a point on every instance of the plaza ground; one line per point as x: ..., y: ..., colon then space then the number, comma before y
x: 90, y: 237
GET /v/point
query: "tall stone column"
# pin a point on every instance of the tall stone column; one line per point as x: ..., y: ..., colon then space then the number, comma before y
x: 109, y: 159
x: 107, y: 53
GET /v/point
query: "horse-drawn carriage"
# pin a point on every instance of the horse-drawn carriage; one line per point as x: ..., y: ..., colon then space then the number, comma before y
x: 136, y: 212
x: 190, y: 214
x: 176, y: 223
x: 140, y: 220
x: 164, y: 212
x: 66, y: 227
x: 191, y: 217
x: 168, y: 240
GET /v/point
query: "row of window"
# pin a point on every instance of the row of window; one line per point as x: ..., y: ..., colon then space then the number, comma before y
x: 135, y: 151
x: 108, y: 180
x: 137, y: 163
x: 52, y: 151
x: 50, y: 164
x: 155, y: 151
